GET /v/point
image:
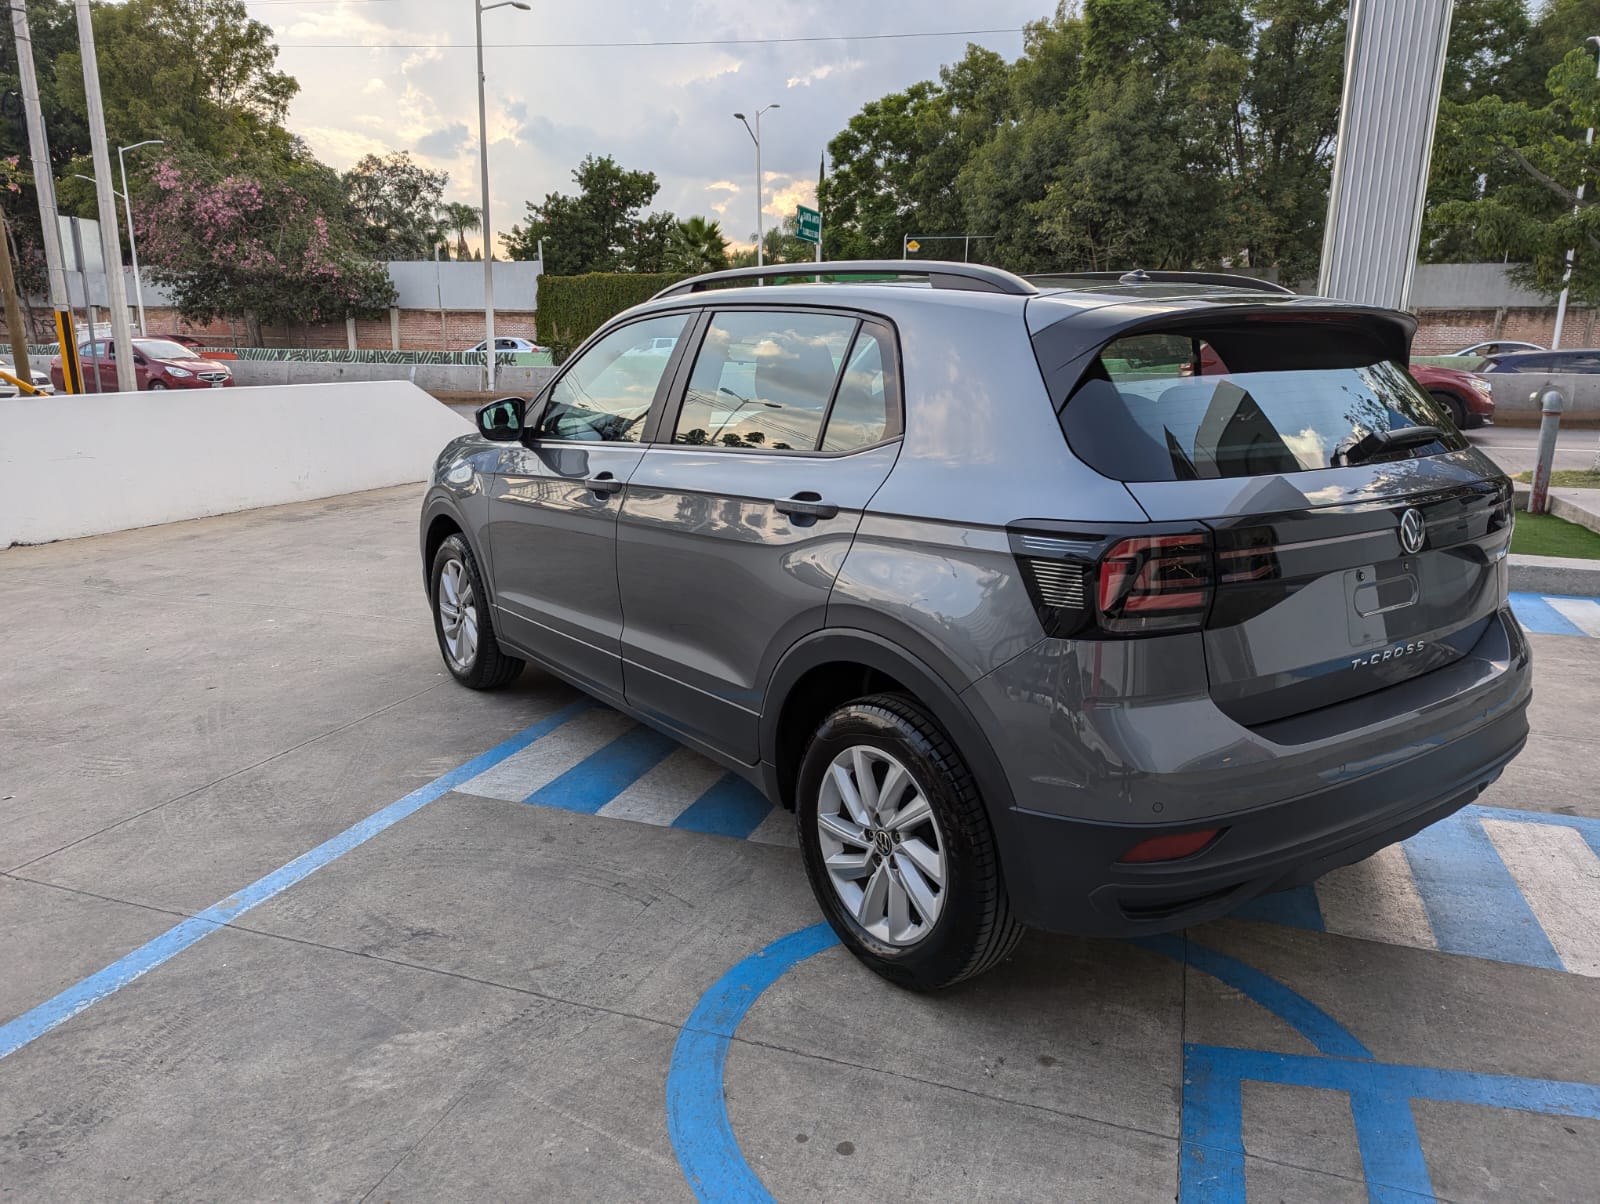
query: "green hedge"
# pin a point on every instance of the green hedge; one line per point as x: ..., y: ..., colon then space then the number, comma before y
x: 571, y: 308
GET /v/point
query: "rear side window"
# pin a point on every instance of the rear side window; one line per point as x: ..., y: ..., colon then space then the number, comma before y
x: 788, y: 381
x: 1242, y: 401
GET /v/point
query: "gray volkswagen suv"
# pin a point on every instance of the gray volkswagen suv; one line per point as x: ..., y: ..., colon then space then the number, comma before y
x: 1100, y: 604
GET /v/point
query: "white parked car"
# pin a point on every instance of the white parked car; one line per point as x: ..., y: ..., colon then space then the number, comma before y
x: 504, y: 344
x: 1497, y: 347
x: 41, y: 380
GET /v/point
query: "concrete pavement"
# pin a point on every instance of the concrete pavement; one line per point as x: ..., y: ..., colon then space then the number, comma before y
x: 478, y: 997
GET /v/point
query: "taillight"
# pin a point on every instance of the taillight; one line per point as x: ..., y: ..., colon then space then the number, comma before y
x: 1156, y: 583
x: 1117, y: 583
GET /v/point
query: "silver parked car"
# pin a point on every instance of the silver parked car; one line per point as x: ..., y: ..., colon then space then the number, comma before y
x: 1102, y: 605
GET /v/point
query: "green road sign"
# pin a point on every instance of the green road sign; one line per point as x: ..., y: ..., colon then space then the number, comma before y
x: 807, y: 225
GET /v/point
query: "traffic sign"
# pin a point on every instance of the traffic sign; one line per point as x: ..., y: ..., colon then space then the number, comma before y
x: 807, y: 224
x: 913, y: 246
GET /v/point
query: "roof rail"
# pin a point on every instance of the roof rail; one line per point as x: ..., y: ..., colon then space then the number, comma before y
x: 1139, y: 276
x: 971, y: 277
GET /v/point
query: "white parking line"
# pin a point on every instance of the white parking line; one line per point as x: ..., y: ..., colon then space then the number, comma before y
x: 1376, y: 900
x: 1582, y: 613
x: 667, y: 791
x: 515, y: 778
x: 1559, y: 875
x: 777, y: 828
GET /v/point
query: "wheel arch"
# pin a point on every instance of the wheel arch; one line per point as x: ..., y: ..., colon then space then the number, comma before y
x: 832, y: 666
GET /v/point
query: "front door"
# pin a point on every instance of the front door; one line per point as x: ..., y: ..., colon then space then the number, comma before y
x: 553, y: 504
x: 736, y: 523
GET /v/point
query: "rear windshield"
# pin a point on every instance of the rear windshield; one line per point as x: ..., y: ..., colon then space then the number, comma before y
x: 1170, y: 407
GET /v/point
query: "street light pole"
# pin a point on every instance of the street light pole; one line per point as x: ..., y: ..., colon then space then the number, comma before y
x: 755, y: 136
x: 1572, y: 252
x: 133, y: 242
x: 110, y: 241
x: 483, y: 166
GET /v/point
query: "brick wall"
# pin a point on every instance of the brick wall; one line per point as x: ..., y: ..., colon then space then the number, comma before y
x: 420, y: 330
x: 1441, y: 331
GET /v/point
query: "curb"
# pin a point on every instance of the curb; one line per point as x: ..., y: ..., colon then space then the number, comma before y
x: 1566, y: 575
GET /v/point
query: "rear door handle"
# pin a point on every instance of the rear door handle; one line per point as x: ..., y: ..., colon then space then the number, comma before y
x: 605, y: 485
x: 806, y: 505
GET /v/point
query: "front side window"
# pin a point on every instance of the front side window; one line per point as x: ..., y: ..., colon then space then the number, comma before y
x: 606, y: 394
x: 764, y: 380
x: 1252, y: 402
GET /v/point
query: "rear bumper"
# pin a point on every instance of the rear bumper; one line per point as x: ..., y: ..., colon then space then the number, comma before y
x: 1294, y: 799
x: 1064, y: 875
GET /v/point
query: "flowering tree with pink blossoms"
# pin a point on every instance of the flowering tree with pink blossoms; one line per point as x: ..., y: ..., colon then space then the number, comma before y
x: 268, y: 242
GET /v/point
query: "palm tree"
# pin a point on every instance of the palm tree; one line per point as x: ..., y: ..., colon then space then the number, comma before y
x: 697, y: 245
x: 463, y: 219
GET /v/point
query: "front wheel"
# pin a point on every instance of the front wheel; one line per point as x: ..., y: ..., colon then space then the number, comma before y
x: 1458, y: 412
x: 154, y: 385
x: 898, y: 846
x: 461, y: 620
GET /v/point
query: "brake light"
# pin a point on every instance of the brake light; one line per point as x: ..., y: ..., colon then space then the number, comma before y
x: 1156, y: 583
x: 1171, y: 847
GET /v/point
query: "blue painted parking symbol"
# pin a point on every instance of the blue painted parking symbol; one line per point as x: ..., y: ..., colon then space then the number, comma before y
x: 1212, y: 1168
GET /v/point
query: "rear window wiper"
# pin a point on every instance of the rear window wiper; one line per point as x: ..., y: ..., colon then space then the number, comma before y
x: 1379, y: 442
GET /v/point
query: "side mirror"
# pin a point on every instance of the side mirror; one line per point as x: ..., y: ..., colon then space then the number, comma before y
x: 137, y: 358
x: 501, y: 421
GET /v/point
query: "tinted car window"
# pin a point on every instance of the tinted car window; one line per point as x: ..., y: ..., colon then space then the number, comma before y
x: 606, y: 393
x: 1163, y: 408
x: 861, y: 406
x: 764, y: 380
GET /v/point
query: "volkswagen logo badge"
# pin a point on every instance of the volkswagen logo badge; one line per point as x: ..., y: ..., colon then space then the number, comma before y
x: 1413, y: 531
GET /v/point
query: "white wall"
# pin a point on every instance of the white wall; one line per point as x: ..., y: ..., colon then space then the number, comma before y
x: 72, y: 466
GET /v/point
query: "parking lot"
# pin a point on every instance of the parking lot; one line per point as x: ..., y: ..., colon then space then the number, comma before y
x: 285, y: 913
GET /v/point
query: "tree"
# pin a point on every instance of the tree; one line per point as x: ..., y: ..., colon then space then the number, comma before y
x: 463, y: 219
x: 202, y: 72
x: 396, y: 205
x: 265, y: 240
x: 697, y: 245
x: 599, y: 229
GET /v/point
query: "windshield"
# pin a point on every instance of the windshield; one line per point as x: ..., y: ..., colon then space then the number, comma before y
x: 164, y: 349
x: 1166, y: 408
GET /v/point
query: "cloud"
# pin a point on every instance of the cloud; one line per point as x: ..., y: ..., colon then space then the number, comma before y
x: 406, y: 81
x: 821, y: 71
x: 446, y: 143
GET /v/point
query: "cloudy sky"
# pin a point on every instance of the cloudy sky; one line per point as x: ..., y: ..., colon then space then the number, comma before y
x: 384, y: 75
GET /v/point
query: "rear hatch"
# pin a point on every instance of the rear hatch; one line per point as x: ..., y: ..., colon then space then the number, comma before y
x: 1346, y: 537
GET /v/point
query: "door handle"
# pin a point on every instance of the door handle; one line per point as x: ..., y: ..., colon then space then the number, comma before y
x: 806, y: 505
x: 605, y: 485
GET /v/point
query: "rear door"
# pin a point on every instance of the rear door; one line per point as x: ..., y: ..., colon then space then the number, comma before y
x: 1358, y: 541
x: 737, y: 520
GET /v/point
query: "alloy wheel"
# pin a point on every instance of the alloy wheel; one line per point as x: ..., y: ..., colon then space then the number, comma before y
x: 458, y: 616
x: 881, y: 845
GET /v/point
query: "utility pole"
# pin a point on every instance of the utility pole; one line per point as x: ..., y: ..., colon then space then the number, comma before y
x: 44, y: 183
x: 110, y: 240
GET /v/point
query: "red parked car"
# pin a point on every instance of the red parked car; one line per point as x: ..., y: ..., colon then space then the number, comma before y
x: 1469, y: 398
x: 158, y: 364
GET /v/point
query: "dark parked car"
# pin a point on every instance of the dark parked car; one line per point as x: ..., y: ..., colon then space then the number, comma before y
x: 158, y: 364
x: 1585, y: 360
x: 1028, y: 618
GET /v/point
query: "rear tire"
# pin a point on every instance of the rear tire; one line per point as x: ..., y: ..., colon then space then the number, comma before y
x: 461, y: 620
x: 1458, y: 411
x: 906, y: 871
